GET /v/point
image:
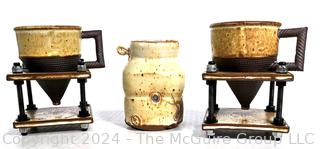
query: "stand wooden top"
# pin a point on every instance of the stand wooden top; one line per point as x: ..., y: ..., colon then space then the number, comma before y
x: 48, y: 75
x: 247, y: 76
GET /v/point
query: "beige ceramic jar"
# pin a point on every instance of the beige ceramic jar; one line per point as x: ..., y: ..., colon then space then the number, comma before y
x: 153, y: 83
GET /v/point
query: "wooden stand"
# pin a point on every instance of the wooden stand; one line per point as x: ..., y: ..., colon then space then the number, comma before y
x: 34, y: 117
x: 268, y: 120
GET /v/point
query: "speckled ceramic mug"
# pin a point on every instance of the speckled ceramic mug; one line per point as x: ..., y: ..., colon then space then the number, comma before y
x: 55, y: 49
x: 153, y: 83
x: 252, y: 46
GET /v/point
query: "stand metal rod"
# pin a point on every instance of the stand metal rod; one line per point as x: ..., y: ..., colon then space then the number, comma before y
x: 30, y: 106
x: 271, y: 107
x: 278, y: 120
x: 83, y: 104
x: 22, y: 115
x: 212, y: 101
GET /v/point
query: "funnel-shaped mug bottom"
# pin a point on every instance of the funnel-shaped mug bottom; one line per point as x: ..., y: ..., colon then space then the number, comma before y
x: 245, y: 91
x: 55, y: 89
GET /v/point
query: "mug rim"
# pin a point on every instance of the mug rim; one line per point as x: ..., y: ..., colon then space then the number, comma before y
x: 48, y: 27
x: 245, y: 23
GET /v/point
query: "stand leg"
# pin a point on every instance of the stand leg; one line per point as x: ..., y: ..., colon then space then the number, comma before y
x: 212, y: 102
x: 214, y: 95
x: 83, y: 104
x: 278, y: 120
x: 22, y: 115
x: 271, y: 107
x: 30, y: 106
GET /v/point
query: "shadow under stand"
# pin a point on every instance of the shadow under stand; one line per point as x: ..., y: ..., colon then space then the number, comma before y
x: 33, y: 117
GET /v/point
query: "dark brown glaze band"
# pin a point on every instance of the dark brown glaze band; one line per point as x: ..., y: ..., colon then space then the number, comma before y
x: 245, y: 64
x: 51, y: 64
x: 246, y: 23
x: 154, y: 127
x: 245, y: 91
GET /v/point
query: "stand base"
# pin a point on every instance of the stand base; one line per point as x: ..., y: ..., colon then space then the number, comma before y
x: 234, y: 119
x: 54, y: 116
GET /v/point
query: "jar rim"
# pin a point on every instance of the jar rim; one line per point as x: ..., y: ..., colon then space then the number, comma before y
x: 154, y: 41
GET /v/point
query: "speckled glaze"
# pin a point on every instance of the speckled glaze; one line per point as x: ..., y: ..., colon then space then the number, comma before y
x: 55, y: 49
x: 153, y: 83
x: 245, y: 39
x: 245, y: 46
x: 48, y: 41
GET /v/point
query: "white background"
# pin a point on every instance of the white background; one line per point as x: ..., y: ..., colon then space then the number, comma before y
x: 185, y: 21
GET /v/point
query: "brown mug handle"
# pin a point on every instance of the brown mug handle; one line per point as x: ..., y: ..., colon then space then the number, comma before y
x: 97, y: 36
x: 301, y: 34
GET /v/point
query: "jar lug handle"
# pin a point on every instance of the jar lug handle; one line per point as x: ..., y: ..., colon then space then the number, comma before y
x: 122, y: 50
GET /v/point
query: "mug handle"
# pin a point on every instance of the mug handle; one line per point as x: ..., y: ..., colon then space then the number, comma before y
x: 301, y: 34
x: 97, y: 36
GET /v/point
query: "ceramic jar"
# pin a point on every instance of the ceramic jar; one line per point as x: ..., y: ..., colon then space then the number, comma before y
x: 153, y: 83
x: 55, y: 49
x: 252, y: 46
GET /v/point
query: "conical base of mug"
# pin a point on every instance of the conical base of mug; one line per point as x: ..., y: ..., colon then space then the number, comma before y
x: 55, y: 89
x: 245, y: 91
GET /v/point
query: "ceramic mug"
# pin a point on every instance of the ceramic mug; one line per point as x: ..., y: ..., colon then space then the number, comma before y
x: 55, y: 49
x: 252, y: 46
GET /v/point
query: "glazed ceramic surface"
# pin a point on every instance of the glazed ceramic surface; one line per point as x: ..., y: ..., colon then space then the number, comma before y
x: 153, y: 83
x: 46, y: 41
x: 244, y: 39
x: 245, y: 47
x: 252, y: 46
x: 55, y: 49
